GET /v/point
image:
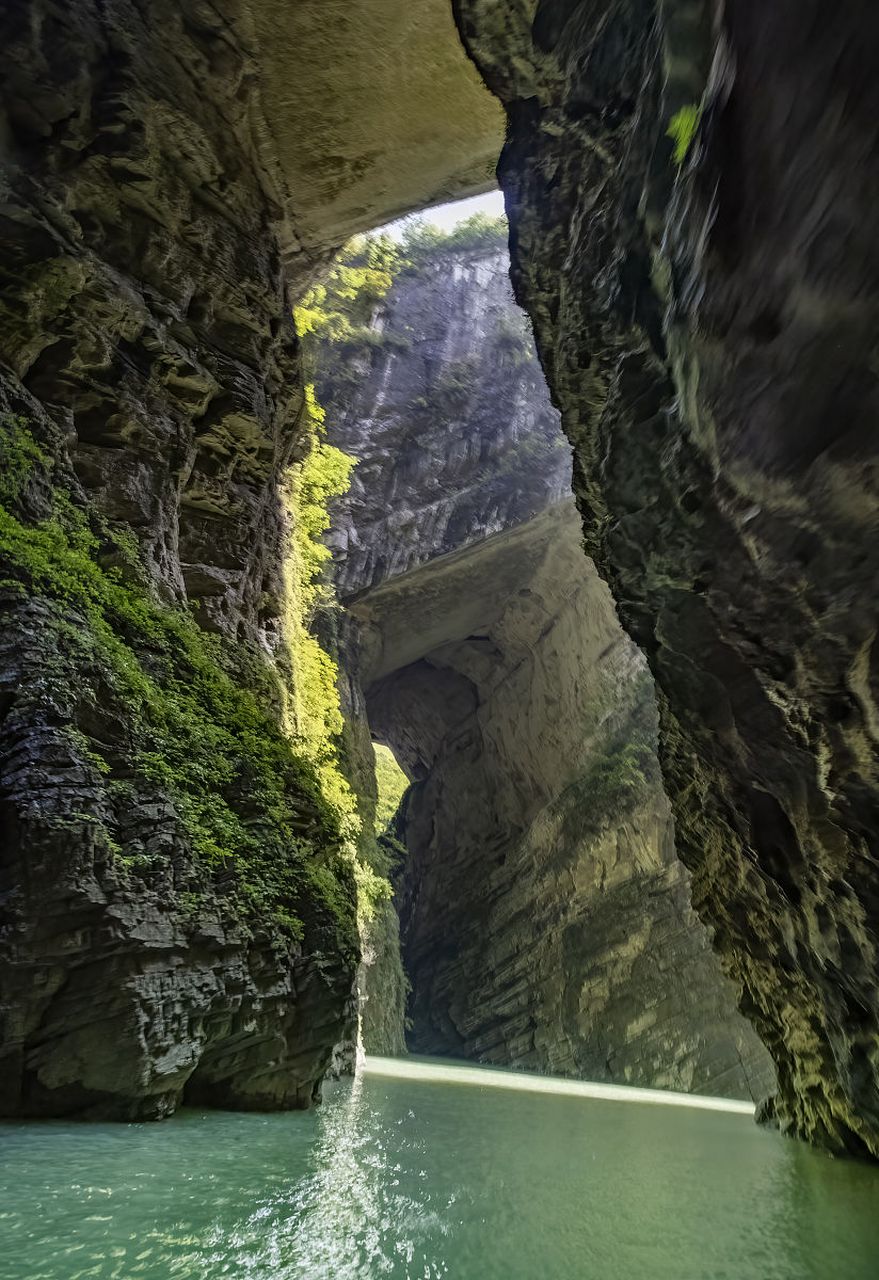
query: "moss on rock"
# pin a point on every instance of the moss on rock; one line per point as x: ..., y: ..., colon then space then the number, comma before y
x: 202, y: 712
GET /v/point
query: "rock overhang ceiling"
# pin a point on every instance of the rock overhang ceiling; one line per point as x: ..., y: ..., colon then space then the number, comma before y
x: 372, y: 111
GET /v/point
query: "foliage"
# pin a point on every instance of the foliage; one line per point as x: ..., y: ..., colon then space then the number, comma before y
x: 201, y: 714
x: 340, y: 323
x: 624, y: 768
x: 514, y: 339
x: 454, y: 387
x: 313, y: 699
x: 20, y: 457
x: 340, y: 308
x: 391, y: 783
x: 336, y: 318
x: 422, y: 239
x: 340, y: 319
x: 682, y: 129
x: 313, y: 695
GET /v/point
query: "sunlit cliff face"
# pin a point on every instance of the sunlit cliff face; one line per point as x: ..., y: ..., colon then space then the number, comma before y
x: 544, y: 919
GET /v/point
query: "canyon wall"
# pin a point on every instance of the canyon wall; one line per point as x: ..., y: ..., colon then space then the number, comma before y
x: 705, y: 310
x: 178, y: 916
x: 176, y: 876
x: 545, y: 920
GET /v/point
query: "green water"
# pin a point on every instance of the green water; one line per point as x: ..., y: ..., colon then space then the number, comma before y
x: 422, y: 1178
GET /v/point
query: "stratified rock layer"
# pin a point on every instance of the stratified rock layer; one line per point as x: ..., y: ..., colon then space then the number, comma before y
x: 545, y: 919
x: 173, y: 174
x: 148, y: 399
x: 709, y: 336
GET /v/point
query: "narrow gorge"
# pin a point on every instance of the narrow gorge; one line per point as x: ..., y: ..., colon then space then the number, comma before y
x: 572, y: 511
x: 546, y: 922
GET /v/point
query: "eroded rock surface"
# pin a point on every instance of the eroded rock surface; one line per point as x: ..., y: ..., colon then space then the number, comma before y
x: 545, y: 919
x: 150, y: 401
x: 372, y: 110
x: 172, y: 175
x: 709, y: 337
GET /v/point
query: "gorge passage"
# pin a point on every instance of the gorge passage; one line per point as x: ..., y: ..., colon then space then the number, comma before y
x: 190, y: 868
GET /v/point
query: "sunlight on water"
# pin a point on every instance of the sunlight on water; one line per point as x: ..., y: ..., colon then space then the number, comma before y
x: 410, y: 1176
x: 484, y: 1077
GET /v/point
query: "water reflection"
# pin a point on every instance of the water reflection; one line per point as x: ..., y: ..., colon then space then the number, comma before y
x: 353, y: 1217
x: 422, y: 1178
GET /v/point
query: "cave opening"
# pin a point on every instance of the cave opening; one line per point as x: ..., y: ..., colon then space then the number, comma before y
x: 540, y: 917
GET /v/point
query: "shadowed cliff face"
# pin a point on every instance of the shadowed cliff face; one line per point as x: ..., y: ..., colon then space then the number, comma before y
x: 177, y: 912
x: 545, y: 919
x: 149, y: 400
x: 709, y: 337
x: 370, y: 109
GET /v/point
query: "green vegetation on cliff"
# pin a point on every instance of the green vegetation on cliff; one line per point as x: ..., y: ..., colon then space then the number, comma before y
x: 313, y: 701
x: 313, y: 711
x: 199, y: 715
x: 391, y: 782
x: 624, y: 770
x: 334, y: 315
x: 422, y: 240
x: 340, y: 308
x: 682, y: 130
x: 340, y: 324
x: 339, y: 313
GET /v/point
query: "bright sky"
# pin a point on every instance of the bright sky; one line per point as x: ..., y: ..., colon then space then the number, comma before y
x: 447, y: 215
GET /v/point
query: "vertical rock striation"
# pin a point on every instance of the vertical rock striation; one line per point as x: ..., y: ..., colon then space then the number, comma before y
x: 708, y: 333
x: 178, y: 914
x: 545, y: 919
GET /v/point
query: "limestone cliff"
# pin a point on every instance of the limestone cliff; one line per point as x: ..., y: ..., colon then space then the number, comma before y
x: 175, y: 878
x: 545, y: 919
x: 707, y: 322
x: 178, y: 915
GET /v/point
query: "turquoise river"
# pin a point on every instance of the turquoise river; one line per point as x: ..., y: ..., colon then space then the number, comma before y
x: 416, y: 1171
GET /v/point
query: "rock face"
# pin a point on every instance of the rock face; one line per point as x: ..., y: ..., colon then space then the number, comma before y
x: 448, y: 417
x: 371, y: 109
x: 708, y: 334
x: 149, y: 402
x: 170, y: 179
x: 545, y: 919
